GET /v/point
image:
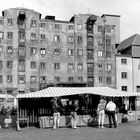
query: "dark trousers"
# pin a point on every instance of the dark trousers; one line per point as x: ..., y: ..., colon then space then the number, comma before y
x: 111, y: 116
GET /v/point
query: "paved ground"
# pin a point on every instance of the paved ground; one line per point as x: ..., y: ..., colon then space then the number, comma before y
x: 128, y: 131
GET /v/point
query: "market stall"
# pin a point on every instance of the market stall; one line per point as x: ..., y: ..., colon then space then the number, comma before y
x: 36, y: 105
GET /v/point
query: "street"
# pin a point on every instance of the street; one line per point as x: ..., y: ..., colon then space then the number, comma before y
x: 125, y: 131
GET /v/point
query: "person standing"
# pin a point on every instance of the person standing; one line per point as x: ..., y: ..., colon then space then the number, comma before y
x: 56, y: 113
x: 74, y: 108
x: 111, y: 108
x: 101, y: 113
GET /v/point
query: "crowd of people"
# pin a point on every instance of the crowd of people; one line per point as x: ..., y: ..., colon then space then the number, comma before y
x: 72, y: 107
x: 103, y: 108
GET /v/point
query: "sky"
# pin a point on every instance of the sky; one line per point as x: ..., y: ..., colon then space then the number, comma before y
x: 129, y: 10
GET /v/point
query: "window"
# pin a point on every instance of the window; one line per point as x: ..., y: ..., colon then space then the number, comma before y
x: 90, y: 54
x: 42, y: 25
x: 43, y: 79
x: 42, y: 65
x: 21, y: 51
x: 57, y: 38
x: 124, y: 75
x: 56, y: 79
x: 100, y: 41
x: 21, y: 79
x: 21, y: 65
x: 108, y: 66
x: 10, y: 92
x: 100, y: 53
x: 33, y: 36
x: 100, y: 28
x: 70, y: 52
x: 1, y: 64
x: 10, y: 21
x: 33, y: 65
x: 42, y: 36
x: 57, y: 51
x: 100, y: 79
x: 100, y: 66
x: 80, y: 79
x: 108, y: 42
x: 138, y: 89
x: 79, y: 39
x: 1, y: 49
x: 70, y: 66
x: 21, y: 36
x: 80, y: 52
x: 9, y: 64
x: 90, y: 79
x: 108, y: 80
x: 57, y: 26
x: 33, y: 79
x: 139, y: 66
x: 1, y: 35
x: 57, y: 66
x: 70, y: 27
x: 90, y: 39
x: 33, y: 51
x: 107, y: 29
x: 9, y: 49
x: 1, y: 22
x: 108, y: 54
x: 33, y: 23
x: 70, y: 39
x: 9, y: 35
x: 70, y: 79
x: 79, y: 26
x: 1, y: 79
x: 123, y: 61
x: 9, y: 78
x: 90, y: 67
x: 42, y: 51
x: 21, y: 92
x: 124, y: 88
x: 80, y: 66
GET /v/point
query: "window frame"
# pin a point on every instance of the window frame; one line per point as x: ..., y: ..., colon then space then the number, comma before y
x: 9, y: 49
x: 9, y: 35
x: 123, y: 61
x: 42, y: 51
x: 70, y: 66
x: 9, y: 64
x: 80, y: 66
x: 9, y: 21
x: 24, y: 79
x: 33, y: 79
x: 9, y: 78
x: 124, y: 75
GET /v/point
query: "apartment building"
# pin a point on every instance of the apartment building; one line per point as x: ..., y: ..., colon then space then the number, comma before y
x: 128, y: 67
x: 36, y: 53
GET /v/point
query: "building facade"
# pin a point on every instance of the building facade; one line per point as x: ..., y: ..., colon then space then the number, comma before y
x: 128, y: 67
x: 36, y: 53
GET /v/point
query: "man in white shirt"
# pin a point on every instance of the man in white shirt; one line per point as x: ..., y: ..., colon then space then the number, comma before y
x: 111, y: 108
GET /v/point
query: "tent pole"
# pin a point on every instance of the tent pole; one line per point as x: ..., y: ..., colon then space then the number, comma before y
x: 18, y: 127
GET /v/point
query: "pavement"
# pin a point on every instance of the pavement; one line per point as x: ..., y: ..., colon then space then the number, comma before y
x: 125, y: 131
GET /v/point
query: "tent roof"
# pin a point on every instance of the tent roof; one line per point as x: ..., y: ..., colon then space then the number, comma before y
x: 5, y: 96
x: 65, y: 91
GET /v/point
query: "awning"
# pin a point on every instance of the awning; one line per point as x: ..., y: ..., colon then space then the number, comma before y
x: 65, y: 91
x: 6, y: 96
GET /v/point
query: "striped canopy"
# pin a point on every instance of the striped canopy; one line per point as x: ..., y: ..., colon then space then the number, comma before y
x: 6, y: 96
x: 65, y: 91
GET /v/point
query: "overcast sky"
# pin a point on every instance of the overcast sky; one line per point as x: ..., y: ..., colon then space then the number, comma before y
x: 129, y: 10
